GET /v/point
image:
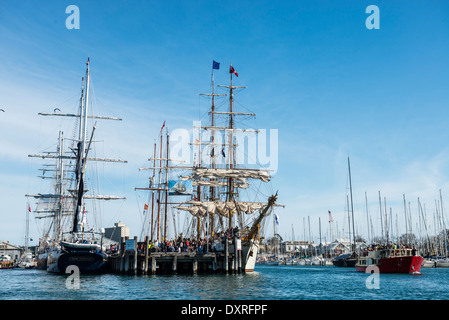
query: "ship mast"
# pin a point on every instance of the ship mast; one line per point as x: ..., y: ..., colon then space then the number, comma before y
x: 59, y: 184
x: 230, y: 194
x: 81, y: 158
x: 231, y: 147
x: 162, y: 186
x: 229, y: 176
x: 212, y: 191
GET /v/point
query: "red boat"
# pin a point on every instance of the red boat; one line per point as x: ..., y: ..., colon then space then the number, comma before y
x: 391, y: 261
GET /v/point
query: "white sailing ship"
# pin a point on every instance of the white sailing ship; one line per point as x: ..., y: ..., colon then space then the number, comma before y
x: 217, y: 206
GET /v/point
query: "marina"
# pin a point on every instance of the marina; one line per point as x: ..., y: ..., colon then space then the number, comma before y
x: 68, y: 243
x: 227, y: 158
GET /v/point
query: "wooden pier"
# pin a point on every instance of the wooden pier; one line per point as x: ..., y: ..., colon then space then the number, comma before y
x: 134, y: 261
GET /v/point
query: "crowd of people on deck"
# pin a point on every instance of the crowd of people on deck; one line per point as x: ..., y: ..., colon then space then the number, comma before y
x: 182, y: 244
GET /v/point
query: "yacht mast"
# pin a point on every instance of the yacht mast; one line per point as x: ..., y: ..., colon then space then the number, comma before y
x: 352, y: 205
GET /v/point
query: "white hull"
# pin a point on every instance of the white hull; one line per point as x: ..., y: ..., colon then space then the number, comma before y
x: 328, y: 263
x: 249, y: 254
x: 26, y: 261
x: 428, y: 264
x: 442, y: 263
x: 26, y: 265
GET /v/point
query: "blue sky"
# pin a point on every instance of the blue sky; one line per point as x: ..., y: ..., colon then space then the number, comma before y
x: 313, y: 71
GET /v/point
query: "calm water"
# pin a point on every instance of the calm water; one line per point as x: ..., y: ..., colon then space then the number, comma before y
x: 266, y: 283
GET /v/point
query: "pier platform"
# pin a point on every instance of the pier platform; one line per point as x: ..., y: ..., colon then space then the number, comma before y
x: 134, y: 261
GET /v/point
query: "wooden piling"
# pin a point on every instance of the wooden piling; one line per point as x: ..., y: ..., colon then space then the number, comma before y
x: 195, y: 265
x: 122, y: 255
x: 145, y: 261
x: 135, y: 255
x: 235, y: 254
x: 226, y: 257
x: 153, y: 265
x: 126, y: 268
x: 174, y: 264
x: 240, y: 260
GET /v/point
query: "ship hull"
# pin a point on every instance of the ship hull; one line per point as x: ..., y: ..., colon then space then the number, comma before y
x: 52, y: 261
x: 350, y: 263
x: 249, y: 254
x: 408, y: 264
x: 42, y: 261
x: 443, y: 263
x: 86, y: 262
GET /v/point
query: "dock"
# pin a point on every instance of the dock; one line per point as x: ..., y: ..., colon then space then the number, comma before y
x: 131, y: 260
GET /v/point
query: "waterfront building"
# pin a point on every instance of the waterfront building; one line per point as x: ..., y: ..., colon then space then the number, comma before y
x: 116, y: 233
x: 7, y: 249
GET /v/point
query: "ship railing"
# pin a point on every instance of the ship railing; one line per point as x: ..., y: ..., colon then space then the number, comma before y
x: 85, y: 237
x: 400, y: 252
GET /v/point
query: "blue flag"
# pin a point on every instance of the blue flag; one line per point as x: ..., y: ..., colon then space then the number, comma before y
x: 216, y: 65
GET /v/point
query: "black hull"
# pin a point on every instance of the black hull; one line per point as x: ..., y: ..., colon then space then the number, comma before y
x: 41, y: 264
x: 87, y: 262
x: 345, y: 263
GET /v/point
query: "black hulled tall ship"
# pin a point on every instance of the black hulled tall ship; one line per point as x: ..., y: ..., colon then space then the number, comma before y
x: 76, y: 245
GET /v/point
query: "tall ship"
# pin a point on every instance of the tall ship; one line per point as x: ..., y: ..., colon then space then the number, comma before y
x: 53, y: 207
x: 72, y: 242
x: 221, y: 193
x: 348, y: 259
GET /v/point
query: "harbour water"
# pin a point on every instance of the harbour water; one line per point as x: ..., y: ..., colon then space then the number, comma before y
x: 266, y: 283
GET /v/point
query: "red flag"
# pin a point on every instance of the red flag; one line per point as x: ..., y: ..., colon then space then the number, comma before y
x: 29, y: 208
x: 232, y: 70
x: 163, y: 126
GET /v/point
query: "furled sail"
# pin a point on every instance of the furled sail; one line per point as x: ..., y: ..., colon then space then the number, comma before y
x: 237, y: 174
x: 215, y: 183
x: 201, y: 208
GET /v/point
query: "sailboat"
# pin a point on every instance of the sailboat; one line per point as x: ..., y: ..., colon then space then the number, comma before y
x: 27, y: 261
x: 442, y: 262
x: 76, y: 246
x: 348, y: 259
x: 216, y: 206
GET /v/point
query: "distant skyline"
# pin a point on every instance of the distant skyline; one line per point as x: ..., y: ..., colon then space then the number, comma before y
x: 331, y: 88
